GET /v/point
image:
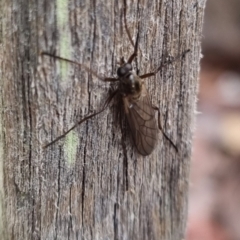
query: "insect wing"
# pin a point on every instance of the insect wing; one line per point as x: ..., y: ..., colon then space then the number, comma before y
x: 142, y: 122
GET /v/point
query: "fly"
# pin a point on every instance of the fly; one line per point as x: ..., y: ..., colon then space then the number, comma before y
x: 136, y: 102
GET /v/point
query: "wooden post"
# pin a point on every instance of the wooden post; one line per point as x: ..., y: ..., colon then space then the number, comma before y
x: 93, y: 184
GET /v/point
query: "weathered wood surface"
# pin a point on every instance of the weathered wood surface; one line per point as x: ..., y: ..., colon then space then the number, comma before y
x: 93, y: 184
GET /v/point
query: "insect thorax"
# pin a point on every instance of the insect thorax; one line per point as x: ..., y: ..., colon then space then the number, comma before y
x: 130, y: 84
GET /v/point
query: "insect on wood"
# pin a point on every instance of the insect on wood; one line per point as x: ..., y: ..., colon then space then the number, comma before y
x: 136, y: 102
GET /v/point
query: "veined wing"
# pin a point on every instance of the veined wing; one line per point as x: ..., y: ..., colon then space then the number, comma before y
x: 142, y: 122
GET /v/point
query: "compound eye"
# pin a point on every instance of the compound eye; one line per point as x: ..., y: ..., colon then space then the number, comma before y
x: 121, y: 71
x: 128, y: 66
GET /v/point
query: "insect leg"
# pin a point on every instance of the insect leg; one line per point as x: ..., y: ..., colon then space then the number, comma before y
x: 125, y: 21
x: 161, y: 129
x: 109, y: 99
x: 164, y: 64
x: 105, y: 79
x: 129, y: 35
x: 135, y: 50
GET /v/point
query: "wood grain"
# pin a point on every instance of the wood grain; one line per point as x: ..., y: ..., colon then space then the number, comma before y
x: 93, y: 184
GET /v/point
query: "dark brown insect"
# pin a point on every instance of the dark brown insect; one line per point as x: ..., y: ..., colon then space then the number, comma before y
x: 137, y: 106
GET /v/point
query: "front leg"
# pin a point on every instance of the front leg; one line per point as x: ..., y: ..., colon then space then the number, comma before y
x: 104, y: 79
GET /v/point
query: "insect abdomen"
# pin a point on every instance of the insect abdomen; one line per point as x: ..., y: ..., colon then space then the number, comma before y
x: 142, y: 122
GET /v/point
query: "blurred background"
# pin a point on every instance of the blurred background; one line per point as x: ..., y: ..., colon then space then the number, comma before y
x: 214, y: 197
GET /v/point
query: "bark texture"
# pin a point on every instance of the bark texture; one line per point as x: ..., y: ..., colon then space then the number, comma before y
x: 93, y: 184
